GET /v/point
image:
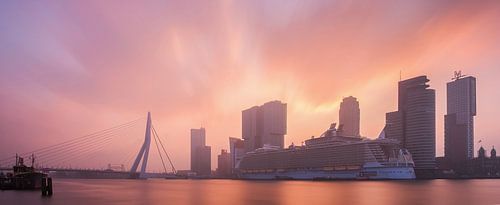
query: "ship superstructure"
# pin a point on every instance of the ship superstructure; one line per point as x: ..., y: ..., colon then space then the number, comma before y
x: 23, y: 177
x: 330, y: 156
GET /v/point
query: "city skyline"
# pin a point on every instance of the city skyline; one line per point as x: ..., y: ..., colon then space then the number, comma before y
x: 71, y: 69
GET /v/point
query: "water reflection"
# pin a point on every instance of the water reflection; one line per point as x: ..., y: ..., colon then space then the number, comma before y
x: 216, y: 192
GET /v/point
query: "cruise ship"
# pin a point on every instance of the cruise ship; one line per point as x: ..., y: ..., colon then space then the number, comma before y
x: 328, y: 157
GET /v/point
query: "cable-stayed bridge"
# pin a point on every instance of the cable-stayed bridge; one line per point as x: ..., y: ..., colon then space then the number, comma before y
x: 76, y: 158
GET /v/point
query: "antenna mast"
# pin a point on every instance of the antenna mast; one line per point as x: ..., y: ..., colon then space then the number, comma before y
x: 457, y: 75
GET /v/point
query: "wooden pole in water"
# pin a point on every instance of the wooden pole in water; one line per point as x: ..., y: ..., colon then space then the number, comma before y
x: 49, y: 187
x: 44, y: 186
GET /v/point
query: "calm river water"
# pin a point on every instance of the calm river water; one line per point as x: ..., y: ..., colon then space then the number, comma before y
x: 217, y: 192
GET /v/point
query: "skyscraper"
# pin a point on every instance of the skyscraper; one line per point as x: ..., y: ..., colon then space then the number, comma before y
x: 236, y: 150
x: 273, y: 123
x: 265, y: 124
x: 204, y: 160
x: 224, y: 164
x: 414, y: 124
x: 250, y: 130
x: 349, y: 116
x: 459, y: 120
x: 199, y: 152
x: 394, y: 126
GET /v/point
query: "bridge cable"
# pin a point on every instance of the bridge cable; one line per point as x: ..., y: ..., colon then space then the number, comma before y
x: 159, y: 152
x: 88, y: 136
x: 55, y: 154
x: 66, y: 152
x: 170, y: 161
x: 87, y: 139
x: 89, y: 149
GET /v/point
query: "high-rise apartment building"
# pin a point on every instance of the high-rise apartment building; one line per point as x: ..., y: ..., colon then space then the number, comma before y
x: 459, y: 120
x: 200, y: 153
x: 265, y: 124
x: 349, y: 115
x: 250, y: 130
x: 224, y: 164
x: 204, y: 160
x: 414, y: 124
x: 237, y: 151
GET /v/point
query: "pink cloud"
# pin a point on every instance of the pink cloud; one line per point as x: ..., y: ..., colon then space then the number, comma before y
x: 70, y: 69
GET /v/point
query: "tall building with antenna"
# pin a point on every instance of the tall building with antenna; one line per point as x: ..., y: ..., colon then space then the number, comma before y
x: 459, y: 119
x: 200, y: 153
x: 414, y: 123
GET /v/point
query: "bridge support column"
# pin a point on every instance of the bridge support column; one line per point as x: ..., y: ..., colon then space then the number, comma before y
x: 143, y: 153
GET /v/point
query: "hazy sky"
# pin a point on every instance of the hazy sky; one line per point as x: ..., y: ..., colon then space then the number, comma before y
x: 71, y: 68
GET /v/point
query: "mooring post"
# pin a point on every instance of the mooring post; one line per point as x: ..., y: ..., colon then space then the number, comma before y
x: 49, y: 186
x: 44, y: 186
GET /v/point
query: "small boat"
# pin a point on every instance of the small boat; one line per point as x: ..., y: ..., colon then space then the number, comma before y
x: 23, y: 177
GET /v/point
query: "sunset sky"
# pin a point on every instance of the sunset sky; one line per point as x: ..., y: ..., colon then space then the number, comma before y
x: 75, y: 67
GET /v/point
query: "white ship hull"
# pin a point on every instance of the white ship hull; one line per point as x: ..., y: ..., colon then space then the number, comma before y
x: 375, y: 173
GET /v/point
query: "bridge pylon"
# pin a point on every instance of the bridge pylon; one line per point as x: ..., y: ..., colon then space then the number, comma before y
x: 143, y: 153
